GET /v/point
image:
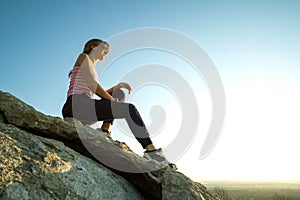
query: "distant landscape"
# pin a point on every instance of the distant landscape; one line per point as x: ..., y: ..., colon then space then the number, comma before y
x: 262, y: 190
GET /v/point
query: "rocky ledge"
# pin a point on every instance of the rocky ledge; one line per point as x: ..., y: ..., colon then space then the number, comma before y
x: 45, y: 157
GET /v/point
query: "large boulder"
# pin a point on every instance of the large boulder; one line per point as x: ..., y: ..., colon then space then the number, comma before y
x: 33, y: 167
x: 114, y: 159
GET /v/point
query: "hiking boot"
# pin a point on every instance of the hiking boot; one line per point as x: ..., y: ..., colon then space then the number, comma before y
x: 173, y: 166
x: 159, y: 157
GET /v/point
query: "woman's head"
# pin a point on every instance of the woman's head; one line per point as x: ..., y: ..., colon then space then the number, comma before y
x: 93, y: 43
x: 88, y: 47
x: 102, y: 50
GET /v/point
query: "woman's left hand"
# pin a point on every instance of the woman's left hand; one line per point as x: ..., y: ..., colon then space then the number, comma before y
x: 124, y: 85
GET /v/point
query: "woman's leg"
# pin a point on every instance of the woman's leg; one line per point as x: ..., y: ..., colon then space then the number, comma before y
x: 120, y: 95
x: 80, y: 107
x: 85, y: 110
x: 109, y: 110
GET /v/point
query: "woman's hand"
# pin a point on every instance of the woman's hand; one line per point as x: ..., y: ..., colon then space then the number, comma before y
x: 115, y: 99
x: 123, y: 85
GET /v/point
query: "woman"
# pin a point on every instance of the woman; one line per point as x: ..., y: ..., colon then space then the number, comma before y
x: 80, y: 105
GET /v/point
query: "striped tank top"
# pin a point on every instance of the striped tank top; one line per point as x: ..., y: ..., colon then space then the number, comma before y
x: 77, y: 83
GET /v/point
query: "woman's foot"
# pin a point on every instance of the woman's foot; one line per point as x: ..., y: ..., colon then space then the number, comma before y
x: 107, y: 132
x: 157, y: 155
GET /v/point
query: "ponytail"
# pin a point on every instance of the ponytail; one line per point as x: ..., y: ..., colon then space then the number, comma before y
x: 70, y: 73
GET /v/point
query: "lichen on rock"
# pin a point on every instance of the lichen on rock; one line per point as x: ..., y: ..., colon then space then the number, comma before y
x: 54, y: 164
x: 10, y: 159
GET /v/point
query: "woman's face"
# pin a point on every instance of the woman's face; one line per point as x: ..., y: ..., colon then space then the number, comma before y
x: 102, y: 50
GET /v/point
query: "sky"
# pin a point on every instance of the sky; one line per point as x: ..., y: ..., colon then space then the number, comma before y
x: 254, y: 46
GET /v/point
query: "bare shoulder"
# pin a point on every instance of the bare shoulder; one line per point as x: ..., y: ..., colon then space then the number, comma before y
x: 80, y: 59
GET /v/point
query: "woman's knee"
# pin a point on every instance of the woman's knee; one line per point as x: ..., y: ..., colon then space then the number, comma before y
x: 132, y: 107
x: 134, y: 113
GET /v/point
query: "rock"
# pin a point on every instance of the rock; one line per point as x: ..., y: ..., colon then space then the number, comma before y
x: 175, y: 184
x: 111, y: 159
x: 34, y: 167
x: 78, y: 137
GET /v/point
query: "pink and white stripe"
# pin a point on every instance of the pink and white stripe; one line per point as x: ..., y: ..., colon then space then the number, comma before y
x: 78, y: 84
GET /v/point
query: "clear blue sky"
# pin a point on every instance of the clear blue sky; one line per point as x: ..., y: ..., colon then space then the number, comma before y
x: 255, y: 46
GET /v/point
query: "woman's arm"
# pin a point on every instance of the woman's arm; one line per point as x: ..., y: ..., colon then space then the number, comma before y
x: 86, y: 68
x: 119, y: 86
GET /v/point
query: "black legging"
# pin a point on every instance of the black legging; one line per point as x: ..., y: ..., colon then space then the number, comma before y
x: 81, y: 107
